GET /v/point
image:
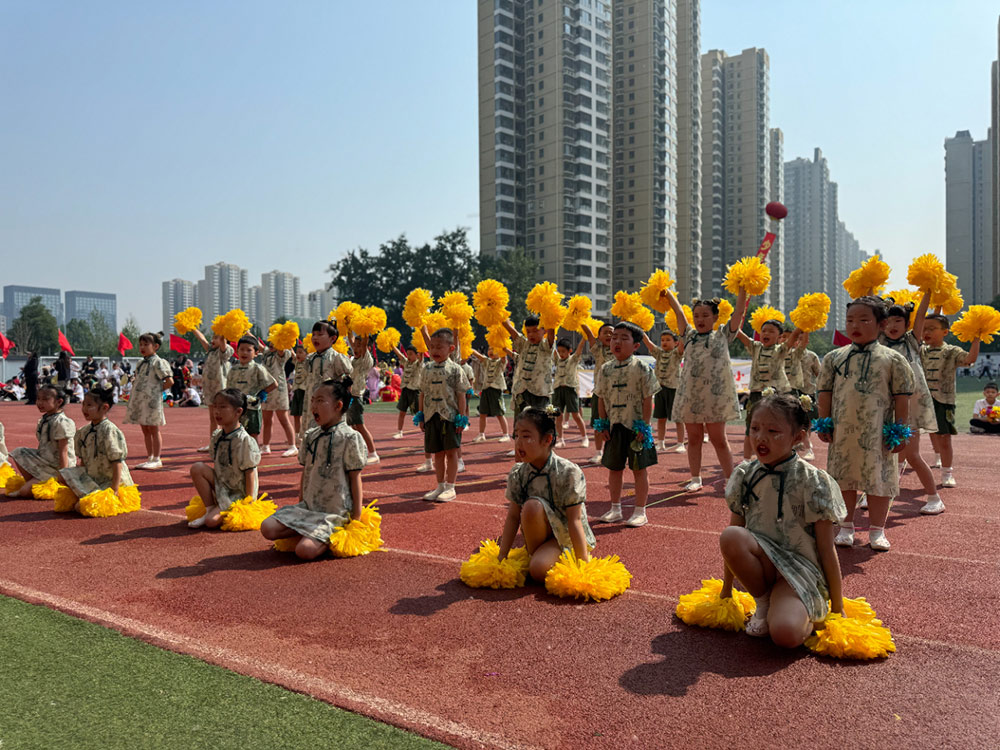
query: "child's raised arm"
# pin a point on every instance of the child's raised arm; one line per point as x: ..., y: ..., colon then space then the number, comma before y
x: 515, y: 334
x: 510, y: 526
x: 354, y: 478
x: 739, y: 311
x: 650, y: 346
x: 479, y: 355
x: 550, y: 335
x: 745, y: 340
x: 574, y: 519
x: 825, y: 533
x: 973, y: 354
x: 205, y: 343
x: 400, y: 354
x: 251, y: 482
x: 921, y: 315
x: 678, y: 312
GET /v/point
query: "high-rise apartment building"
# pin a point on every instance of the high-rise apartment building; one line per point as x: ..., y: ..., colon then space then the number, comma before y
x: 15, y: 297
x: 80, y: 304
x: 776, y: 192
x: 736, y: 166
x: 224, y: 288
x: 178, y: 295
x: 994, y: 137
x: 969, y: 208
x: 689, y: 220
x: 280, y: 296
x: 555, y: 81
x: 253, y: 306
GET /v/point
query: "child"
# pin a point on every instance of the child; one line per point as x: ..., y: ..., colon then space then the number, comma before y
x: 565, y: 396
x: 236, y: 455
x: 779, y: 543
x: 470, y: 376
x: 295, y: 408
x: 322, y: 365
x: 793, y: 360
x: 767, y: 368
x: 100, y: 447
x: 409, y: 396
x: 600, y: 350
x: 252, y: 380
x: 898, y: 337
x: 625, y: 405
x: 810, y: 371
x: 441, y: 416
x: 706, y: 396
x: 668, y: 369
x: 361, y: 362
x: 277, y: 403
x: 532, y: 384
x: 985, y: 415
x: 491, y: 404
x: 863, y: 387
x: 546, y: 496
x: 940, y: 361
x: 332, y: 458
x: 55, y: 450
x: 215, y: 370
x: 145, y: 404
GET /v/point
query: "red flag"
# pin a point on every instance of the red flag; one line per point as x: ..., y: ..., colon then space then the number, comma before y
x: 5, y: 345
x: 766, y: 244
x: 123, y: 344
x: 64, y: 344
x: 840, y: 339
x: 178, y: 344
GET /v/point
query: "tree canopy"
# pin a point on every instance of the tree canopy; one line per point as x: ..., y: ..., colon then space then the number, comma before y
x: 35, y: 329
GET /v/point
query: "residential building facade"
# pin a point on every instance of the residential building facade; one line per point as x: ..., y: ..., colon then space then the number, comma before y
x: 80, y: 304
x: 969, y: 208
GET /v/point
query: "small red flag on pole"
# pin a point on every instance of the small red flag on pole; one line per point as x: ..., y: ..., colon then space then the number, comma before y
x: 5, y: 345
x: 180, y: 345
x: 64, y: 344
x: 123, y: 344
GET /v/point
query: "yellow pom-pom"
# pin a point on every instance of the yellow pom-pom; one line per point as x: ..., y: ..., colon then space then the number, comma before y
x: 597, y: 578
x: 725, y: 314
x: 186, y: 320
x: 105, y: 503
x: 551, y: 318
x: 340, y: 345
x: 436, y: 321
x: 593, y: 325
x: 870, y: 278
x: 129, y: 498
x: 14, y: 483
x: 343, y: 315
x: 947, y: 286
x: 490, y: 300
x: 64, y: 500
x: 750, y: 274
x: 626, y: 305
x: 954, y: 304
x: 498, y: 339
x: 763, y: 314
x: 359, y: 536
x: 644, y: 318
x: 417, y: 304
x: 232, y: 326
x: 858, y: 634
x: 418, y: 343
x: 543, y: 296
x: 654, y: 291
x: 811, y: 312
x: 247, y: 514
x: 704, y: 608
x: 671, y: 319
x: 388, y: 340
x: 283, y: 336
x: 456, y: 308
x: 46, y: 490
x: 577, y: 313
x: 482, y: 570
x: 978, y: 322
x: 925, y: 272
x: 465, y: 339
x: 307, y: 342
x: 6, y: 472
x: 368, y: 321
x: 288, y: 544
x: 195, y: 509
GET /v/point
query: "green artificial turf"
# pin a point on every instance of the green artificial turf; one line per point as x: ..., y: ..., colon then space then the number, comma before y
x: 967, y: 392
x: 72, y: 684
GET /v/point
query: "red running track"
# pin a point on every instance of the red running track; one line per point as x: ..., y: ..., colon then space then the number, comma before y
x: 396, y: 636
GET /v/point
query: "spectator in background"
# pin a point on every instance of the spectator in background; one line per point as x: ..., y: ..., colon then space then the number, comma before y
x: 75, y: 391
x: 89, y: 367
x: 31, y: 377
x: 74, y: 368
x: 63, y: 371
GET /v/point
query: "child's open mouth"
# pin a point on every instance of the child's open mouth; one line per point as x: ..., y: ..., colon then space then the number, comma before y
x: 762, y: 450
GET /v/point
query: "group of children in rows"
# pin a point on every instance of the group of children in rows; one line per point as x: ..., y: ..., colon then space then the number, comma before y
x: 785, y: 512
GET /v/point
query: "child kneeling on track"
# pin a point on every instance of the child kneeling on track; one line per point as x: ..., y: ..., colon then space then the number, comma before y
x: 779, y: 543
x: 565, y: 396
x: 491, y: 375
x: 55, y: 432
x: 546, y: 496
x: 332, y: 457
x: 253, y: 380
x: 236, y: 456
x: 100, y: 447
x: 625, y: 404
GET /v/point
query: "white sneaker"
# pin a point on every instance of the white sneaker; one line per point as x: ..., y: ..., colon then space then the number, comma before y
x: 265, y: 449
x: 503, y: 439
x: 809, y: 455
x: 293, y: 451
x: 511, y: 453
x: 560, y: 443
x: 446, y: 494
x: 198, y: 522
x: 977, y: 430
x: 398, y: 435
x: 372, y: 459
x: 845, y: 537
x: 877, y: 540
x: 480, y: 438
x: 204, y: 449
x: 151, y: 464
x: 461, y: 466
x: 933, y: 506
x: 704, y: 438
x: 612, y: 516
x: 681, y: 448
x: 596, y: 458
x: 693, y: 484
x: 948, y: 480
x: 664, y: 446
x: 435, y: 493
x: 863, y: 502
x: 426, y: 466
x: 937, y: 462
x: 638, y: 518
x: 585, y: 443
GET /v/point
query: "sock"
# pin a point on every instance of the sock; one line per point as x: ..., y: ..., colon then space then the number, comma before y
x: 876, y: 530
x: 937, y: 458
x: 617, y: 506
x: 933, y: 496
x: 946, y: 469
x: 848, y: 526
x: 763, y: 603
x: 448, y: 486
x: 639, y: 510
x: 696, y: 479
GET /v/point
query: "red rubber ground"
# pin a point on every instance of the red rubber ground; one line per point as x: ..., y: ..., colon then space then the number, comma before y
x: 396, y: 636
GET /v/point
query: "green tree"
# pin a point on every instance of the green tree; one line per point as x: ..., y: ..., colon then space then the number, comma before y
x: 132, y: 332
x: 105, y: 340
x: 35, y: 329
x: 518, y: 271
x: 80, y: 337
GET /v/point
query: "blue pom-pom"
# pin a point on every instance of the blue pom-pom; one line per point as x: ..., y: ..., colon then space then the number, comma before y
x: 461, y: 421
x: 418, y: 418
x: 895, y: 434
x: 262, y: 396
x: 602, y: 425
x: 643, y: 432
x: 823, y: 426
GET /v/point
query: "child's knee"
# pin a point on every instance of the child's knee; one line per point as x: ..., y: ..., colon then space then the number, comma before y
x: 532, y: 509
x: 309, y: 549
x: 732, y: 540
x: 270, y: 529
x: 538, y: 569
x: 787, y: 634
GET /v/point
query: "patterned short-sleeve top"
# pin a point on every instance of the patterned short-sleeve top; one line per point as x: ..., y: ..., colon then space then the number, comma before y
x: 215, y: 370
x: 320, y: 366
x: 359, y: 372
x: 299, y: 374
x: 53, y: 427
x: 492, y: 371
x: 470, y: 374
x: 707, y: 389
x: 601, y: 354
x: 411, y: 373
x: 668, y: 366
x: 101, y: 446
x: 767, y: 369
x: 145, y: 404
x: 251, y: 379
x: 560, y: 485
x: 234, y: 453
x: 274, y: 362
x: 327, y: 454
x: 567, y: 370
x: 810, y: 370
x: 793, y: 368
x: 940, y: 364
x: 533, y: 372
x: 442, y: 383
x: 624, y: 386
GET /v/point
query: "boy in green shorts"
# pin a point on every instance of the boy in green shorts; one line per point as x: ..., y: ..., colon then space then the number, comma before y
x: 252, y: 379
x: 668, y: 369
x: 565, y: 396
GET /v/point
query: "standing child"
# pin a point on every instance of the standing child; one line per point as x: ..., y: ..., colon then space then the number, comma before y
x: 767, y: 368
x: 985, y: 415
x: 101, y: 448
x: 252, y: 380
x: 361, y: 362
x: 409, y: 395
x: 470, y: 376
x: 706, y: 396
x: 565, y: 396
x: 940, y: 362
x: 441, y: 416
x: 625, y: 405
x: 532, y: 384
x: 546, y: 496
x: 55, y: 450
x: 491, y: 369
x: 779, y: 542
x: 236, y: 456
x: 898, y: 337
x: 600, y: 350
x: 810, y: 372
x: 322, y: 365
x: 145, y: 404
x: 277, y: 403
x: 298, y: 393
x: 668, y: 369
x: 332, y: 458
x: 215, y: 369
x: 864, y: 387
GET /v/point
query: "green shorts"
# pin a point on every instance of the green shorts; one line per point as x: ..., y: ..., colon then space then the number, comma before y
x: 945, y: 414
x: 525, y: 399
x: 663, y: 403
x: 440, y: 435
x: 755, y: 397
x: 355, y: 412
x: 566, y: 399
x: 409, y: 400
x: 618, y: 451
x: 593, y: 409
x: 251, y: 421
x: 491, y: 403
x: 298, y: 400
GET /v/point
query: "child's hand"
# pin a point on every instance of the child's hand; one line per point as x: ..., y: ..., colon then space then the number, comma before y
x: 606, y: 435
x: 899, y: 448
x: 825, y: 437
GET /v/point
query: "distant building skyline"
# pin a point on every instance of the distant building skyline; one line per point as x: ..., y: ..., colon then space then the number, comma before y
x: 80, y: 304
x: 969, y: 209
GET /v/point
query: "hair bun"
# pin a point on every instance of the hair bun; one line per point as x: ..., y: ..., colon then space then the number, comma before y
x: 347, y: 380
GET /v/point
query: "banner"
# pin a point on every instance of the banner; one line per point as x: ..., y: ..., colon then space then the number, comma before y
x: 766, y: 245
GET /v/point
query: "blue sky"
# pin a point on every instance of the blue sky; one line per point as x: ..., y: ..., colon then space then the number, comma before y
x: 142, y: 141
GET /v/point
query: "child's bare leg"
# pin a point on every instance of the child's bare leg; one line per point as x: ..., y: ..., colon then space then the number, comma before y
x: 503, y: 424
x: 154, y: 440
x: 749, y: 563
x: 29, y: 481
x: 213, y: 517
x: 641, y: 479
x: 538, y: 541
x: 878, y: 510
x: 439, y: 466
x: 271, y: 530
x: 268, y: 419
x: 947, y: 455
x: 787, y: 619
x: 211, y: 426
x: 850, y: 502
x: 298, y: 424
x: 560, y: 426
x: 717, y: 436
x: 912, y: 455
x: 400, y: 419
x: 147, y: 438
x: 286, y: 426
x: 309, y: 549
x: 450, y: 461
x: 366, y: 436
x: 661, y: 430
x: 615, y: 479
x: 203, y: 478
x: 482, y: 425
x: 578, y: 418
x: 694, y: 431
x: 680, y: 433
